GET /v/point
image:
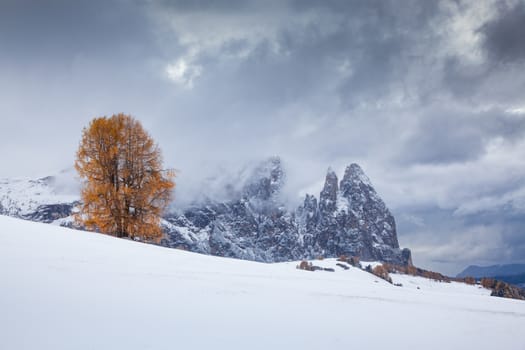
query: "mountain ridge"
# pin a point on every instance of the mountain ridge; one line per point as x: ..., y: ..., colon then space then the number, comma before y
x: 347, y: 218
x: 492, y: 270
x: 510, y: 273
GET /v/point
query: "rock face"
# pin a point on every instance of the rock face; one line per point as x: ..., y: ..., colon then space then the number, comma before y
x: 253, y: 226
x: 49, y: 213
x: 349, y: 219
x: 354, y: 220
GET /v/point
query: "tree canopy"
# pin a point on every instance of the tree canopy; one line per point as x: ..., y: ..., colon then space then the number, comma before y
x: 124, y: 188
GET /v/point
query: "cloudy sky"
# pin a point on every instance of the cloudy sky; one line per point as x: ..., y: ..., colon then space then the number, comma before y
x: 428, y: 96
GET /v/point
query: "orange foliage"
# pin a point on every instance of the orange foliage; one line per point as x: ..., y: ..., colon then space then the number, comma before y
x: 305, y: 265
x: 124, y: 189
x: 381, y: 271
x: 488, y: 283
x: 353, y: 260
x: 469, y: 280
x: 415, y: 271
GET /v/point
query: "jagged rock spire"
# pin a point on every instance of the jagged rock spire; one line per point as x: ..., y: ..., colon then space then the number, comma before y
x: 328, y: 196
x: 354, y: 178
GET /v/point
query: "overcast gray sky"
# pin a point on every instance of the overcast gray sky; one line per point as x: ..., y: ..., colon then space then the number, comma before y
x: 428, y: 96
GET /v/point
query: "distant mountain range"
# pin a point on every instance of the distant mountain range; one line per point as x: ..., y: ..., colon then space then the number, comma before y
x: 348, y: 218
x: 510, y: 273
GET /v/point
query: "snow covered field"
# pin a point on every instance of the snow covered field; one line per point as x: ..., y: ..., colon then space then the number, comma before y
x: 65, y: 289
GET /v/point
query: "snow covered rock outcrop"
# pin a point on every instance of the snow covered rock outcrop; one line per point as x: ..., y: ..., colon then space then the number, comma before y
x: 354, y: 220
x: 349, y: 219
x: 43, y: 200
x: 253, y: 225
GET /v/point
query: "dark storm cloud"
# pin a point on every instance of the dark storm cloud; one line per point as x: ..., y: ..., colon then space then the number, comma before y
x: 444, y: 241
x: 504, y: 36
x: 365, y: 48
x: 58, y: 30
x: 383, y: 11
x: 503, y: 49
x: 63, y: 63
x: 449, y: 135
x: 380, y: 41
x: 212, y: 6
x: 411, y: 90
x: 463, y: 79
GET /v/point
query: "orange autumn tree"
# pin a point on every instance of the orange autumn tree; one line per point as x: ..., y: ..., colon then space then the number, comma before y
x: 125, y: 189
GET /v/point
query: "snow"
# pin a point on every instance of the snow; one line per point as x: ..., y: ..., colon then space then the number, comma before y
x: 23, y: 196
x: 371, y: 263
x: 67, y: 221
x: 432, y: 286
x: 357, y: 175
x: 66, y: 289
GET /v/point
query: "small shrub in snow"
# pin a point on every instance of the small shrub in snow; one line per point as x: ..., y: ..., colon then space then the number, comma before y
x: 415, y: 271
x: 488, y: 283
x: 503, y: 289
x: 469, y: 280
x: 381, y: 272
x: 305, y: 265
x: 353, y: 260
x: 342, y: 266
x: 308, y: 266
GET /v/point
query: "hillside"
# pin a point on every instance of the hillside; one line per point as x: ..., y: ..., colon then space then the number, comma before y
x: 65, y: 289
x: 510, y: 273
x: 518, y: 280
x: 494, y: 270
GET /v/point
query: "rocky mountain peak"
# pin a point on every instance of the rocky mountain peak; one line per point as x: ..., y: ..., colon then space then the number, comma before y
x: 354, y: 179
x: 349, y: 218
x: 266, y: 180
x: 328, y: 196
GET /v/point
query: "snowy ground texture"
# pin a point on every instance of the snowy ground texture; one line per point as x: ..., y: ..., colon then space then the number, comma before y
x: 65, y: 289
x: 20, y: 197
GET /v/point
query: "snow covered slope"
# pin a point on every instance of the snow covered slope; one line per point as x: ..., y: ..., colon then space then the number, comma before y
x: 48, y: 199
x: 66, y: 289
x: 20, y: 197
